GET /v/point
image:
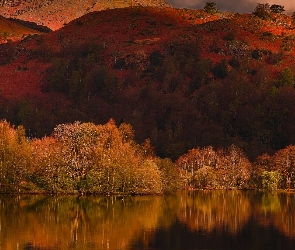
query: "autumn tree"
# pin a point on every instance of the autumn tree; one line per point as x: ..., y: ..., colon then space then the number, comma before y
x: 233, y: 168
x: 14, y: 157
x: 50, y: 171
x: 284, y: 163
x: 195, y: 160
x: 261, y: 164
x: 170, y: 175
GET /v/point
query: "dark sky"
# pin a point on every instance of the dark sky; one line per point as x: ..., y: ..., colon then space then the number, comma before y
x: 246, y: 6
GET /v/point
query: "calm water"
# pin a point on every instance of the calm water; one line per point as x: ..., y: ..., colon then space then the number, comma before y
x: 195, y: 220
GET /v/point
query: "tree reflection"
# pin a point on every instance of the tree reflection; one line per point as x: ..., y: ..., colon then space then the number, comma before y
x: 215, y: 210
x: 75, y: 222
x: 134, y: 222
x: 276, y: 209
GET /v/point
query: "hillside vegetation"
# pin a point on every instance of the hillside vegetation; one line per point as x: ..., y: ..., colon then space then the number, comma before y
x: 182, y: 78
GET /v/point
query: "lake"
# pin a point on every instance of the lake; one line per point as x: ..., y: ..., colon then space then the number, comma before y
x: 188, y: 220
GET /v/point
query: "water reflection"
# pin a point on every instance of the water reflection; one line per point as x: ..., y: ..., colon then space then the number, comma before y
x: 277, y: 210
x: 193, y: 220
x: 216, y: 210
x: 75, y: 222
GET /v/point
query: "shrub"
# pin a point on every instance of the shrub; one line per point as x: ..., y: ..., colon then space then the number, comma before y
x: 155, y: 58
x: 275, y: 58
x: 256, y: 54
x: 7, y: 52
x: 230, y: 36
x: 220, y: 70
x: 262, y: 11
x: 205, y: 178
x: 278, y: 9
x: 286, y: 78
x: 120, y: 63
x: 234, y: 62
x: 270, y: 180
x: 293, y: 19
x: 79, y: 23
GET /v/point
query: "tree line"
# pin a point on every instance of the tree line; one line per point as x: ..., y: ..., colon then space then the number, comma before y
x: 85, y: 158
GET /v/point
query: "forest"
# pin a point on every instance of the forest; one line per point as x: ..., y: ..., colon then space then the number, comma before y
x: 84, y: 158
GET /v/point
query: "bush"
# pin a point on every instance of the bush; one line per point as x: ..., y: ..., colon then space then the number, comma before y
x: 278, y: 9
x: 270, y: 180
x: 230, y: 36
x: 262, y: 11
x: 220, y: 70
x: 120, y: 64
x: 234, y: 62
x: 155, y: 58
x: 286, y: 78
x: 275, y: 58
x: 205, y: 178
x: 293, y: 19
x: 256, y: 54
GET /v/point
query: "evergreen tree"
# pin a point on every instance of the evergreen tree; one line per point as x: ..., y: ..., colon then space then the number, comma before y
x: 211, y: 8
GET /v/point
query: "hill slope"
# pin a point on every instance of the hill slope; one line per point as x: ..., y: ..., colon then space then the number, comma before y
x: 55, y: 13
x: 12, y: 29
x: 182, y: 78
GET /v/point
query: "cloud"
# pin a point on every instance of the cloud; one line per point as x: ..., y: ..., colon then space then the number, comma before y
x: 240, y: 6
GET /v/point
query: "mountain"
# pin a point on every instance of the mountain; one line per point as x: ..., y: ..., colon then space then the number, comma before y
x: 183, y: 78
x: 55, y: 13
